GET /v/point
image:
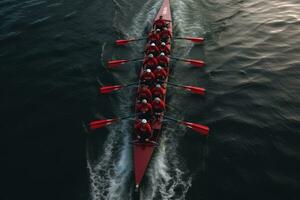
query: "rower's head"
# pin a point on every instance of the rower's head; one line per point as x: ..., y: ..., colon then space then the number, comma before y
x: 150, y: 55
x: 157, y: 30
x: 144, y: 121
x: 165, y: 28
x: 163, y: 44
x: 160, y: 17
x: 162, y: 54
x: 158, y: 67
x: 158, y: 85
x: 144, y: 101
x: 148, y: 71
x: 157, y: 99
x: 152, y: 44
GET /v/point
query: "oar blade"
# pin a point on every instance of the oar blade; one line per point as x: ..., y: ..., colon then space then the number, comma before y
x: 116, y: 63
x: 101, y: 123
x: 108, y: 89
x: 196, y: 90
x: 203, y: 130
x: 122, y: 42
x: 196, y: 40
x: 197, y: 63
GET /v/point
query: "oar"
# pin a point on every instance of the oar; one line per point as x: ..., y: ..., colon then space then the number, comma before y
x: 105, y: 122
x: 123, y: 41
x: 116, y: 63
x: 193, y: 89
x: 203, y: 130
x: 111, y: 88
x: 197, y: 63
x: 192, y: 39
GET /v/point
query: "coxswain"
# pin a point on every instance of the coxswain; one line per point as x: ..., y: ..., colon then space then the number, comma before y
x: 165, y: 35
x: 160, y: 23
x: 143, y: 130
x: 150, y: 61
x: 148, y: 77
x: 152, y: 49
x: 158, y: 105
x: 163, y: 48
x: 154, y: 36
x: 163, y: 60
x: 158, y: 91
x: 160, y: 74
x: 144, y: 93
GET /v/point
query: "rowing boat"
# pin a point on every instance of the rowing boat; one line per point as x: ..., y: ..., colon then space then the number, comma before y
x: 143, y: 151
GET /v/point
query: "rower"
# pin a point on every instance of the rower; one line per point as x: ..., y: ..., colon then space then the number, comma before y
x: 164, y: 48
x: 144, y: 93
x: 143, y: 130
x: 160, y: 74
x: 163, y: 60
x: 148, y: 77
x: 150, y: 61
x: 158, y: 106
x: 154, y: 36
x: 165, y: 35
x: 152, y: 49
x: 160, y: 23
x: 144, y: 109
x: 158, y: 91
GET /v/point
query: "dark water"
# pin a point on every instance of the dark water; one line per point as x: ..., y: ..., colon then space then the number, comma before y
x: 53, y: 52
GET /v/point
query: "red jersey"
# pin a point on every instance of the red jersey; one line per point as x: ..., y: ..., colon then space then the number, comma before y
x: 140, y: 129
x: 160, y: 74
x: 153, y: 36
x: 163, y: 60
x: 158, y: 92
x: 165, y: 34
x: 159, y: 23
x: 144, y: 93
x: 150, y: 62
x: 152, y: 49
x: 147, y: 77
x: 165, y: 49
x: 144, y: 107
x: 158, y: 106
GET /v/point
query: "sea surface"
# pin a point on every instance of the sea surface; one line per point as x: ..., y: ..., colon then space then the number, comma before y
x: 53, y: 57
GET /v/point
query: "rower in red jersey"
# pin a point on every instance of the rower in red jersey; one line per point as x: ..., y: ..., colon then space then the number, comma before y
x: 143, y: 130
x: 160, y: 74
x: 160, y: 23
x: 158, y: 105
x: 144, y: 109
x: 163, y: 48
x: 158, y: 91
x: 148, y: 77
x: 165, y: 35
x: 150, y: 62
x: 154, y: 36
x: 163, y: 60
x: 144, y: 93
x: 152, y: 49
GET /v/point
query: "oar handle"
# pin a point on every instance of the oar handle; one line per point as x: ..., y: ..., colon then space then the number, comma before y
x: 161, y: 82
x: 172, y: 119
x: 130, y: 84
x: 174, y: 58
x: 136, y: 59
